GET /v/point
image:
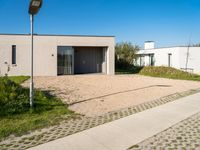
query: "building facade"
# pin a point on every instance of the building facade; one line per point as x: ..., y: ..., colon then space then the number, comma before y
x: 180, y: 57
x: 57, y: 54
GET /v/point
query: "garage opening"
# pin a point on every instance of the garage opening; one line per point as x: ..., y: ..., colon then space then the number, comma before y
x: 81, y: 60
x: 89, y: 60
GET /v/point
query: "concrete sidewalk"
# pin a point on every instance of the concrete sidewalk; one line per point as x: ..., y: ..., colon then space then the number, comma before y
x: 128, y: 131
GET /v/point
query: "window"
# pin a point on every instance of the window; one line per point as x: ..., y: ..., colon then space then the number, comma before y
x: 169, y: 60
x: 13, y: 54
x: 151, y: 59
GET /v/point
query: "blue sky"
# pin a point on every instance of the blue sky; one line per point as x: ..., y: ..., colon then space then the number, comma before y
x: 167, y: 22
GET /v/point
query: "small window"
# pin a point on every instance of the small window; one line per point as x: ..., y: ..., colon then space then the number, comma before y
x: 13, y: 54
x: 151, y: 59
x: 169, y: 60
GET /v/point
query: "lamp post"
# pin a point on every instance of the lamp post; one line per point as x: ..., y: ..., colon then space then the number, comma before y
x: 34, y: 7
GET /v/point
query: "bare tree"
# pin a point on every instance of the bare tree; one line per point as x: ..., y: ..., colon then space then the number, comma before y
x: 196, y: 45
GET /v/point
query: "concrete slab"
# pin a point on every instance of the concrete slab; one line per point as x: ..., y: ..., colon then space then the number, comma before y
x: 125, y: 132
x: 103, y: 135
x: 77, y: 141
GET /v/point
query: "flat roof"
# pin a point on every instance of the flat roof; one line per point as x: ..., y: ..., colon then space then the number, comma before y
x: 169, y: 47
x: 57, y: 35
x: 148, y: 41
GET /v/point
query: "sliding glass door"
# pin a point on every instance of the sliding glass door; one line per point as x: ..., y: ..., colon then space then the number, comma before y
x: 65, y: 60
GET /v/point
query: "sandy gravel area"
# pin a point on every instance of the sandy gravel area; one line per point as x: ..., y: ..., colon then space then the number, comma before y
x: 97, y: 94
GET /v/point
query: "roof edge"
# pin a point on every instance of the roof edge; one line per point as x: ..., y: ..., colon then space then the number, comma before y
x: 169, y: 47
x: 56, y: 35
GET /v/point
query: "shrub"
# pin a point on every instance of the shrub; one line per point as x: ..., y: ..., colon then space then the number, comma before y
x: 130, y: 70
x: 17, y: 118
x: 13, y: 98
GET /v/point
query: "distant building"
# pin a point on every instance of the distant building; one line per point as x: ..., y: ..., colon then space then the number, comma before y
x: 57, y: 54
x: 180, y: 57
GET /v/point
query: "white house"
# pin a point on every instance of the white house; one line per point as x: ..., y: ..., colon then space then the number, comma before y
x: 180, y: 57
x: 56, y: 54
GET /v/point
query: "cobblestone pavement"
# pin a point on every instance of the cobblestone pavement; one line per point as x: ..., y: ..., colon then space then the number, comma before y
x: 72, y: 126
x: 184, y: 136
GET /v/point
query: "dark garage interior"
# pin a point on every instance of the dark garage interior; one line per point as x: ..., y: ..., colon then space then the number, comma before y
x: 88, y: 60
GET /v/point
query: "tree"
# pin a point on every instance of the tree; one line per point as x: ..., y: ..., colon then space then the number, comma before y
x: 125, y: 53
x: 196, y: 45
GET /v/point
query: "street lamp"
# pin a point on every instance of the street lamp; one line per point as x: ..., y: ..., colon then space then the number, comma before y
x: 34, y: 7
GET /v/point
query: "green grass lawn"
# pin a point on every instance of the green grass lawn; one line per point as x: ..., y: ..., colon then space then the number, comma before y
x: 168, y: 72
x: 18, y: 79
x: 17, y: 118
x: 161, y: 72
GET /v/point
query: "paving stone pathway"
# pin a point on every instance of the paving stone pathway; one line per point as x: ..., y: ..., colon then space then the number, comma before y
x: 184, y: 135
x: 72, y: 126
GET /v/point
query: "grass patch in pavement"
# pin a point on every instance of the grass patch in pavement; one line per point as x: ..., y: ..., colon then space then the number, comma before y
x: 17, y: 118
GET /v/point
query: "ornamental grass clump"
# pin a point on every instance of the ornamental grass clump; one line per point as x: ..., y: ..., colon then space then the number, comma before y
x: 13, y: 98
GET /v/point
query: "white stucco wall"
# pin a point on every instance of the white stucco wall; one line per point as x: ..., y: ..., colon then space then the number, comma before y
x: 161, y: 56
x: 45, y: 52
